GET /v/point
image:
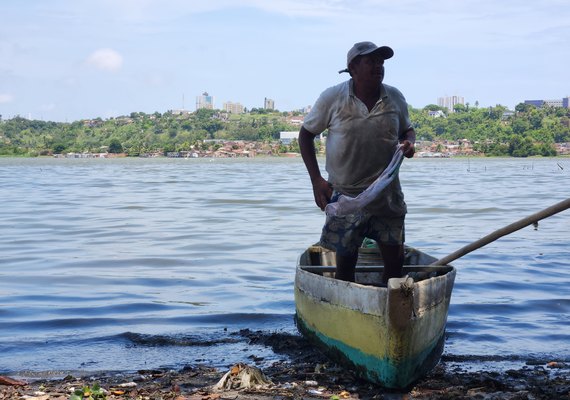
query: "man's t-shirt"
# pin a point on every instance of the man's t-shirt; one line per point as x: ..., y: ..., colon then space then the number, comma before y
x: 360, y: 144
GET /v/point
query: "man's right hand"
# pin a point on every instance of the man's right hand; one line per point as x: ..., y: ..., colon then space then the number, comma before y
x: 322, y: 190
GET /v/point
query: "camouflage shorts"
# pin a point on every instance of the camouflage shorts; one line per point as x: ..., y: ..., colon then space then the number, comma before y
x: 345, y: 234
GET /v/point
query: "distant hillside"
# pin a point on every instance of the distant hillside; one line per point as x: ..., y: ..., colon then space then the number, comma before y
x: 526, y: 131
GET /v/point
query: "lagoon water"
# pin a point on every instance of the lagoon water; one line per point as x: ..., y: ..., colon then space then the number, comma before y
x: 125, y: 264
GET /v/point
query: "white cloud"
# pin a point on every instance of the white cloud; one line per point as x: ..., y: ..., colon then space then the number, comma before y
x: 106, y: 60
x: 6, y: 98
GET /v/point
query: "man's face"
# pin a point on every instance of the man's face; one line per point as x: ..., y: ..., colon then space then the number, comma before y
x: 369, y: 67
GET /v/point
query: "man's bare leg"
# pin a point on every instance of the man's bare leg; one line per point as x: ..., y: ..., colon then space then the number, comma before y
x: 345, y: 267
x: 393, y: 256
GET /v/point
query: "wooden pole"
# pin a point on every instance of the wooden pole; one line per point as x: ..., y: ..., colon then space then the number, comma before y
x: 515, y: 226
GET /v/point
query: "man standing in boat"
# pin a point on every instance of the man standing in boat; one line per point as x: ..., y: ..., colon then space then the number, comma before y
x: 366, y: 121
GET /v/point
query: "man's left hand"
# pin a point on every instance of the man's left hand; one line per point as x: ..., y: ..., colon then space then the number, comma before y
x: 408, y: 148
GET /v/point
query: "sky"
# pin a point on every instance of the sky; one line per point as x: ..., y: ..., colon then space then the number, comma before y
x: 66, y: 60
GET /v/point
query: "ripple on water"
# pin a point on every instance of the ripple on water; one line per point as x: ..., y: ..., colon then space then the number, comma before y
x: 155, y: 261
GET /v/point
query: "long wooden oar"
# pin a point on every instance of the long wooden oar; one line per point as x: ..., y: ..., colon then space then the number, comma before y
x: 515, y: 226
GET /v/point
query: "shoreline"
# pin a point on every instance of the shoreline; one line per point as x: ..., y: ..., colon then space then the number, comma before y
x: 304, y: 373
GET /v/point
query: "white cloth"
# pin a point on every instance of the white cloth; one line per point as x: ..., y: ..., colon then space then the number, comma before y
x: 349, y: 205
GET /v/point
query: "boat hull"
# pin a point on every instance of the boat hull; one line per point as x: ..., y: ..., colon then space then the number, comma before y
x: 391, y: 336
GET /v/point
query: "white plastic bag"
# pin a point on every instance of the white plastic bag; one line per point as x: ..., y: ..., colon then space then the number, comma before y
x: 349, y: 205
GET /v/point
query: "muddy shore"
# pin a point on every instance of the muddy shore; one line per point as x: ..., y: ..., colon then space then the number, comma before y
x: 304, y: 373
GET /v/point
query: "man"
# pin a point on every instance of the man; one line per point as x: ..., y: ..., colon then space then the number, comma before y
x: 366, y: 120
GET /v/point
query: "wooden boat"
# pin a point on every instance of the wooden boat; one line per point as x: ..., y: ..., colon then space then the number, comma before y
x: 390, y: 335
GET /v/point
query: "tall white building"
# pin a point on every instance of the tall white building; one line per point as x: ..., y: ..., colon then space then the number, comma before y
x: 233, y: 108
x: 450, y: 101
x: 205, y: 101
x: 269, y: 104
x: 554, y: 103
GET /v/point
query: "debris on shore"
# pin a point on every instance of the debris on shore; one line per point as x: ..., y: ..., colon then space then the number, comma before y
x: 306, y: 374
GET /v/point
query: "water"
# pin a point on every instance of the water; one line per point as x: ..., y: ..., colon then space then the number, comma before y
x: 124, y: 264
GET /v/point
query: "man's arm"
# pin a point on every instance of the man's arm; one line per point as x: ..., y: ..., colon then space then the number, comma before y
x: 321, y: 188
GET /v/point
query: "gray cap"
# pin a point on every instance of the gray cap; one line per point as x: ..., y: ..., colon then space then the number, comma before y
x: 363, y: 48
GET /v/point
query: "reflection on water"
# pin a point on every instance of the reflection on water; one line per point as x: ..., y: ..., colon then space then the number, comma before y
x: 120, y: 264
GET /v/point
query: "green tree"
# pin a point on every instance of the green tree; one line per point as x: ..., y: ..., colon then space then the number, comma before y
x: 520, y: 126
x: 294, y: 146
x: 520, y: 147
x: 459, y: 108
x: 115, y: 146
x: 522, y: 107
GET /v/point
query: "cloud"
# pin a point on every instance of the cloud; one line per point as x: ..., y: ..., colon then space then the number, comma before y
x: 106, y: 60
x: 6, y: 98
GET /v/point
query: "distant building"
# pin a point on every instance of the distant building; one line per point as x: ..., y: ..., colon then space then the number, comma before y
x: 536, y: 103
x: 450, y: 102
x: 295, y: 120
x: 508, y: 114
x: 553, y: 103
x: 205, y: 101
x: 436, y: 114
x: 287, y: 137
x: 564, y: 102
x: 233, y: 108
x: 268, y: 104
x: 180, y: 112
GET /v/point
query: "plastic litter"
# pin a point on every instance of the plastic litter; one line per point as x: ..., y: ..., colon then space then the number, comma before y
x: 349, y: 205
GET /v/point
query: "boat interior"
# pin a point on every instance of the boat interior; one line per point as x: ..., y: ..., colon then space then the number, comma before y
x: 369, y: 268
